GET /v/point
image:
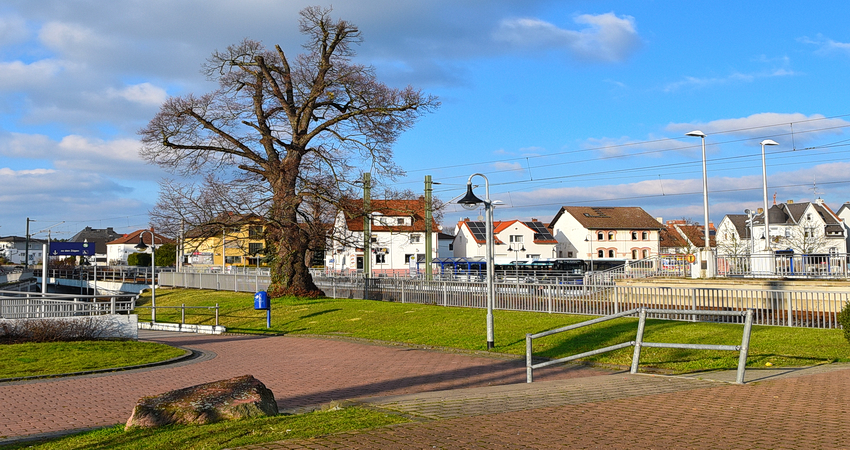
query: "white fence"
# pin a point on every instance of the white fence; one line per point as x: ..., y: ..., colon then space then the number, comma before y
x: 29, y: 305
x: 808, y: 309
x: 797, y: 308
x: 241, y: 282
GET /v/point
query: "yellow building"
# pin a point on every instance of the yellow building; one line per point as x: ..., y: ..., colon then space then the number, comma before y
x: 238, y: 238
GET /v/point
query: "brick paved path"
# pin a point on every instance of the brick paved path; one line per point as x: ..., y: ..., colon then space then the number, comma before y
x: 300, y: 371
x: 617, y: 412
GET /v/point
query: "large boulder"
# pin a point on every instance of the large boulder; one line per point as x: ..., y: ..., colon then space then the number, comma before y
x: 236, y: 398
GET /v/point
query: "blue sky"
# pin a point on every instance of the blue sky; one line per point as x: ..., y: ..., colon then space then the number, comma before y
x: 557, y: 102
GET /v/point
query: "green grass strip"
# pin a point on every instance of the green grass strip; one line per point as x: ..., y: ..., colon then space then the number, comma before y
x: 222, y: 434
x: 52, y: 358
x: 465, y: 328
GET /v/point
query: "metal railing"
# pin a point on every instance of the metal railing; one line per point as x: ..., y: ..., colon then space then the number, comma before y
x: 793, y: 308
x: 216, y: 281
x: 183, y: 309
x: 29, y: 305
x: 784, y: 266
x: 638, y: 343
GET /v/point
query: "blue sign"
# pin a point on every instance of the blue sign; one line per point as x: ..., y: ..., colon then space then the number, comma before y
x: 71, y: 248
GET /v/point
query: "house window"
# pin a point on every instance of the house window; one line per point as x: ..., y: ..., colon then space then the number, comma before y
x: 634, y: 235
x: 569, y: 254
x: 600, y: 236
x: 415, y: 238
x: 634, y: 254
x: 400, y: 221
x: 451, y: 246
x: 232, y: 259
x: 255, y: 248
x: 380, y: 258
x: 610, y: 253
x: 645, y: 253
x: 600, y: 253
x: 644, y: 235
x: 516, y: 238
x: 610, y: 235
x: 255, y: 232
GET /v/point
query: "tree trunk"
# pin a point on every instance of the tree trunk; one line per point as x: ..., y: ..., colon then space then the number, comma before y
x: 288, y: 239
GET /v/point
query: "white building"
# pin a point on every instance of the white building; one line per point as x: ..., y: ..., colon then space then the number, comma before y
x: 605, y: 233
x: 734, y: 236
x: 514, y: 240
x: 804, y: 228
x: 118, y: 250
x: 14, y: 250
x: 397, y: 237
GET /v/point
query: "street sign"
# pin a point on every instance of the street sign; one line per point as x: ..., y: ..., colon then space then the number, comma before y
x: 71, y: 248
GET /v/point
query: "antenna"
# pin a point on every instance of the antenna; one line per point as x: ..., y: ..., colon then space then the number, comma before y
x: 814, y: 188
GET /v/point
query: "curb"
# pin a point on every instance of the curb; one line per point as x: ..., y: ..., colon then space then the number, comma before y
x: 188, y: 355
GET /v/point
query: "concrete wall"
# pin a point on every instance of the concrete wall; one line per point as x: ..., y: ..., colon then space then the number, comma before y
x: 118, y: 326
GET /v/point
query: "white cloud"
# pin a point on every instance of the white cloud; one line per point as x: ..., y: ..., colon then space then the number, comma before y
x: 806, y: 128
x: 144, y: 93
x: 736, y: 77
x: 606, y: 38
x: 827, y: 45
x: 13, y: 29
x: 508, y: 167
x: 71, y: 40
x: 17, y: 74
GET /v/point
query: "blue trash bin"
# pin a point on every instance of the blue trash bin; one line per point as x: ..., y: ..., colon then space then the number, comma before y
x: 261, y: 300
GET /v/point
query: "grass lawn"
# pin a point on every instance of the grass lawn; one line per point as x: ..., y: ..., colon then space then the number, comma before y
x: 464, y: 328
x: 222, y: 434
x: 51, y: 358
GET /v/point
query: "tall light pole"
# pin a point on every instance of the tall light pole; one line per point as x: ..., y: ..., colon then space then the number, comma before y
x: 470, y: 202
x: 142, y: 247
x: 764, y: 189
x: 699, y: 133
x: 516, y: 260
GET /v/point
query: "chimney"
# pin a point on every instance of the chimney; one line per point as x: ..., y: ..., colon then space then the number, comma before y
x: 819, y: 201
x: 789, y: 202
x: 533, y: 219
x: 660, y: 220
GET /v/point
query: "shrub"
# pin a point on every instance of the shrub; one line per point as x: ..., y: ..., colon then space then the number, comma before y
x: 18, y: 331
x: 139, y: 259
x: 844, y: 320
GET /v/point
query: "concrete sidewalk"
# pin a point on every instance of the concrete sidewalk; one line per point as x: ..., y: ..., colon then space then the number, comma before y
x: 303, y: 373
x: 793, y: 409
x: 461, y: 400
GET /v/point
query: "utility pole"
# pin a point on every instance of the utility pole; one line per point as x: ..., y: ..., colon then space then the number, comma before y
x: 367, y: 225
x: 27, y: 243
x: 428, y: 228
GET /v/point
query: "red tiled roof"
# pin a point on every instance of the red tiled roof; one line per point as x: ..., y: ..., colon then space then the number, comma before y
x: 353, y: 210
x: 610, y: 217
x: 133, y: 238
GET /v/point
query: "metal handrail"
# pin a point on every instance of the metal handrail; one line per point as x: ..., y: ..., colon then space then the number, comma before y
x: 638, y: 343
x: 183, y: 309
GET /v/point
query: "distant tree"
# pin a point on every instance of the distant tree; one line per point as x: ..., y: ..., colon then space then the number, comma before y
x: 166, y: 255
x: 139, y: 259
x: 282, y: 131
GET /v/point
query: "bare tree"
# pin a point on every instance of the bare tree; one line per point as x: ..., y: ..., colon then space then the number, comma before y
x: 299, y: 127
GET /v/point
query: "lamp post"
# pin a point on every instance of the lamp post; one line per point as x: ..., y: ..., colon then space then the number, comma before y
x: 516, y: 262
x: 764, y: 189
x: 701, y: 135
x: 470, y: 202
x: 142, y: 247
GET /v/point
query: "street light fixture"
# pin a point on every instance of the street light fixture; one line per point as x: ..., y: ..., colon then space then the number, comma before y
x: 142, y: 247
x: 516, y: 261
x: 704, y: 186
x: 764, y: 189
x: 470, y: 202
